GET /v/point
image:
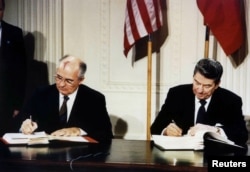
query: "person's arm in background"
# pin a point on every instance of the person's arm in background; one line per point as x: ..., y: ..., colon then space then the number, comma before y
x: 20, y: 67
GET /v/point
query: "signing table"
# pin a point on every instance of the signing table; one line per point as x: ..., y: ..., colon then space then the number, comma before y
x: 119, y: 155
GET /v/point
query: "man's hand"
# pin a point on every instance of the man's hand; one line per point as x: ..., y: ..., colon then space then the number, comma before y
x: 202, y: 128
x: 73, y: 131
x: 28, y: 126
x: 172, y: 130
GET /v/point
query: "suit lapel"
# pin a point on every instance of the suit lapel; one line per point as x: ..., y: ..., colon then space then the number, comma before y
x: 75, y: 104
x: 54, y: 102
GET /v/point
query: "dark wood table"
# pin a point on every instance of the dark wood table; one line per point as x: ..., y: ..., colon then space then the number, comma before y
x: 119, y: 155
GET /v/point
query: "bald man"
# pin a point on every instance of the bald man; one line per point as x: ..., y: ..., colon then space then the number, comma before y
x: 86, y: 107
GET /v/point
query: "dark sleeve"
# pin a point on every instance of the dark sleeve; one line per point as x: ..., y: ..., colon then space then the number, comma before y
x: 235, y: 125
x: 178, y: 107
x: 20, y: 68
x: 101, y: 129
x: 26, y: 110
x: 90, y: 114
x: 164, y: 117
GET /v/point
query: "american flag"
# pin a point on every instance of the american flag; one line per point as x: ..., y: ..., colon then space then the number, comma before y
x: 142, y: 18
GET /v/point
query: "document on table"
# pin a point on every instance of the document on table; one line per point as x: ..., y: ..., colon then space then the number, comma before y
x: 20, y: 138
x: 186, y: 142
x: 41, y: 138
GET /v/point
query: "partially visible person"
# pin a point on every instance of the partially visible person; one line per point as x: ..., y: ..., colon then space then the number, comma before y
x: 86, y: 107
x: 12, y: 72
x: 223, y: 108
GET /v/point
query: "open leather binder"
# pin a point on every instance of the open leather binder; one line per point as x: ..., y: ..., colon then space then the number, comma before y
x: 213, y: 144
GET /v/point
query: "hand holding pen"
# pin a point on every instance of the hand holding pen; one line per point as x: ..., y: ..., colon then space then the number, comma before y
x: 28, y: 126
x: 172, y: 130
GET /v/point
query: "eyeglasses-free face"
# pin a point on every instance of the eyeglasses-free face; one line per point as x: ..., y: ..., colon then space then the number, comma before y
x: 203, y: 87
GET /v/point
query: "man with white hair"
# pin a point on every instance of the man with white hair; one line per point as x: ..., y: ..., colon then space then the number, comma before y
x: 86, y: 108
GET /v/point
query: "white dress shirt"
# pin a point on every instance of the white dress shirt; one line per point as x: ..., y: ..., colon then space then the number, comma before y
x: 70, y: 102
x: 197, y: 106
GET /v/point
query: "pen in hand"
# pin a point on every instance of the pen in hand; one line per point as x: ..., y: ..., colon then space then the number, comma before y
x: 32, y: 122
x: 178, y: 130
x: 33, y: 125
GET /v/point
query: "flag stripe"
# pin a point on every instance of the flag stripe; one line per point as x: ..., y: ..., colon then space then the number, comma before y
x: 142, y: 17
x: 144, y: 24
x: 131, y: 29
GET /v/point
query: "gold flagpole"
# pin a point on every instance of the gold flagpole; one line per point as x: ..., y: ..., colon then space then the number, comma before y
x: 149, y: 80
x: 206, y: 51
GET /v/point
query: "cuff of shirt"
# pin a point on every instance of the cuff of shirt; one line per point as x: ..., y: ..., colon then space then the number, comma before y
x: 163, y: 131
x: 82, y: 132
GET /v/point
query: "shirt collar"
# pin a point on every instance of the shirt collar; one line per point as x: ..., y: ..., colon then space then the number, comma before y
x: 71, y: 96
x: 197, y: 101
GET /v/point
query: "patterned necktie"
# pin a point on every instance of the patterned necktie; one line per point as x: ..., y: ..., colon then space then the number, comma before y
x: 201, y: 115
x: 63, y: 111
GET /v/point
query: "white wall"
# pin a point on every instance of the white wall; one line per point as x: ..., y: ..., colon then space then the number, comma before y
x: 93, y: 30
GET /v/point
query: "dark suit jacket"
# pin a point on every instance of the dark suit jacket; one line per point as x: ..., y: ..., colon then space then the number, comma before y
x: 12, y: 73
x: 224, y: 108
x: 88, y: 112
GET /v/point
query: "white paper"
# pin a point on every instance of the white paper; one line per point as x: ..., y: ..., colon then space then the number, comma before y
x: 38, y: 138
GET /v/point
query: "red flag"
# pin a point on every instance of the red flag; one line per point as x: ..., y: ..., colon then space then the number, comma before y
x: 142, y: 18
x: 224, y: 18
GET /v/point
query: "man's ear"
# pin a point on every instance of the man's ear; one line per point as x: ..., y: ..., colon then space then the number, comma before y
x: 81, y: 80
x: 217, y: 85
